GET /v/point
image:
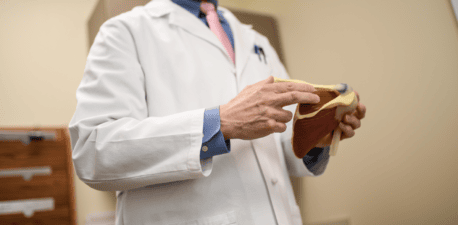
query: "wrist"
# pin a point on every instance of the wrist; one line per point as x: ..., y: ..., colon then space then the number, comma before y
x: 225, y: 133
x: 224, y: 127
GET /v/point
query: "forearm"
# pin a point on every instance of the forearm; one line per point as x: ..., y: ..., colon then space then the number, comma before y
x: 129, y: 153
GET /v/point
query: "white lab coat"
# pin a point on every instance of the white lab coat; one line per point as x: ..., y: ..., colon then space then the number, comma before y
x: 138, y: 124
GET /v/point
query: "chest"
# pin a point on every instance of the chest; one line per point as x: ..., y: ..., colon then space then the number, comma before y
x: 185, y: 72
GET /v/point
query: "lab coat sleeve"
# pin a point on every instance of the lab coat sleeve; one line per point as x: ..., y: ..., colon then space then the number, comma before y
x: 295, y: 166
x: 115, y: 144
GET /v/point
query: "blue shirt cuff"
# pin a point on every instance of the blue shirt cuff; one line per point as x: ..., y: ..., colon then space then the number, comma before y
x: 213, y: 142
x: 315, y: 158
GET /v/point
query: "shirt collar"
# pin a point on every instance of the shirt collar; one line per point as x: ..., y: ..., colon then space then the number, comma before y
x: 193, y: 6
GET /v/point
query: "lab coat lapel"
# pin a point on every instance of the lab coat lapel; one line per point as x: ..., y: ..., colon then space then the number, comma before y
x: 184, y: 19
x: 243, y: 41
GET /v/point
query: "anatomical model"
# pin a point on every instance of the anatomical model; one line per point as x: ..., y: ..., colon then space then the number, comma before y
x: 312, y: 122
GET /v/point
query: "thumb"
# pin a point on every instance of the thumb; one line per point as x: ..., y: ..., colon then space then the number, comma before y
x: 269, y: 80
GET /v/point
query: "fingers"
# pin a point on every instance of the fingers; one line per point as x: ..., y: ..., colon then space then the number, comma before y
x: 287, y: 93
x: 283, y: 87
x: 351, y: 120
x: 269, y: 80
x: 294, y: 97
x: 347, y: 130
x: 282, y: 116
x: 276, y: 126
x: 360, y: 111
x: 277, y: 119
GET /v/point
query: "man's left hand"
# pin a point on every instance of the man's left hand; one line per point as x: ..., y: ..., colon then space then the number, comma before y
x: 350, y: 122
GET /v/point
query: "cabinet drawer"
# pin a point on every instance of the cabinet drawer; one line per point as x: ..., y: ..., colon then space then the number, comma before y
x: 41, y: 153
x: 58, y: 216
x: 54, y: 185
x: 45, y: 172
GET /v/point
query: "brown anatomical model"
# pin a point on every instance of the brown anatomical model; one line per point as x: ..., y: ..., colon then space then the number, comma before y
x: 312, y: 122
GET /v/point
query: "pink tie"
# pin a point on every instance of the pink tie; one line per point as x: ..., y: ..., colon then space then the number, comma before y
x: 215, y: 26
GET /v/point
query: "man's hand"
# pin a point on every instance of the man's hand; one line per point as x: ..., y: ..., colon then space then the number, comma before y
x: 257, y: 110
x: 349, y: 124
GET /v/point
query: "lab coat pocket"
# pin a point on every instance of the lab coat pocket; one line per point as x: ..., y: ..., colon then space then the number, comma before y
x: 222, y: 219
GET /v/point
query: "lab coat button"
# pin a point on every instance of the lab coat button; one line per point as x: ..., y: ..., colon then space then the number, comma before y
x: 205, y: 148
x: 274, y: 181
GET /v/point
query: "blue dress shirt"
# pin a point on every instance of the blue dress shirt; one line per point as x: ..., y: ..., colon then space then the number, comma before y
x: 213, y: 142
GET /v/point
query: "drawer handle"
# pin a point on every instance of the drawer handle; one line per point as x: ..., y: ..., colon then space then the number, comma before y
x: 27, y: 207
x: 26, y: 137
x: 26, y: 173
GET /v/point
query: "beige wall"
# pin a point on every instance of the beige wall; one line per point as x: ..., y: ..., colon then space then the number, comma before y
x: 401, y: 56
x: 43, y: 49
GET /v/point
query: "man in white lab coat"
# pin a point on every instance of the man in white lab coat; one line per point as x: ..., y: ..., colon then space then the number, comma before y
x: 181, y: 132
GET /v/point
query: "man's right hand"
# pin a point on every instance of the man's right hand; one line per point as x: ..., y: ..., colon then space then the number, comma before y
x: 257, y: 110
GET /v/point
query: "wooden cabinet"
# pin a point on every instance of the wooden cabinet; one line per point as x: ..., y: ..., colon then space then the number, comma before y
x: 36, y: 178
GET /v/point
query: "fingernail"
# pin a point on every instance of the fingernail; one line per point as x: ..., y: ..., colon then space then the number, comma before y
x: 317, y: 99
